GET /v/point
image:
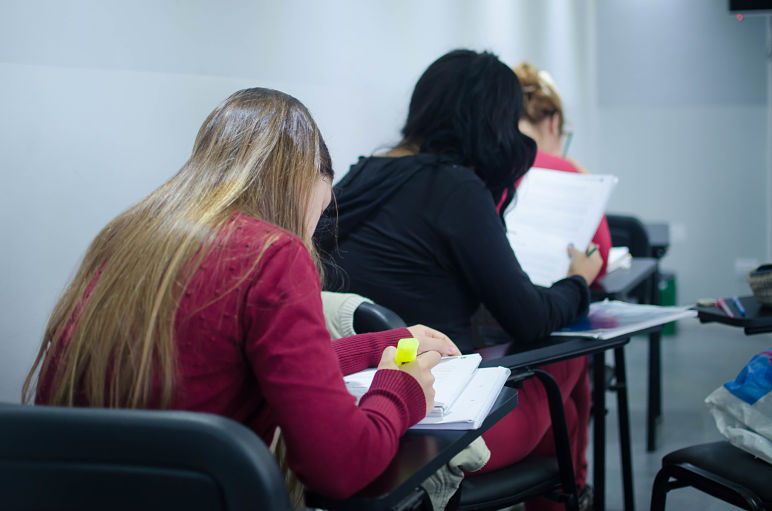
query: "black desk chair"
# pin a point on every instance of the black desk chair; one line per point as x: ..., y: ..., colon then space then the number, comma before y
x: 532, y: 477
x: 60, y: 458
x: 528, y: 479
x: 630, y: 232
x: 371, y: 317
x: 719, y: 469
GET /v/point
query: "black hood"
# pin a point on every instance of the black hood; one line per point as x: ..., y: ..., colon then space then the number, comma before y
x: 368, y: 183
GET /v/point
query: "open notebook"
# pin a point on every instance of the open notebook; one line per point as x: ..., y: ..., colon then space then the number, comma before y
x: 464, y: 394
x: 552, y: 209
x: 473, y: 405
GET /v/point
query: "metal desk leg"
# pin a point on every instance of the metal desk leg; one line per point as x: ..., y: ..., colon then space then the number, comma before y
x: 624, y: 428
x: 654, y: 408
x: 599, y: 430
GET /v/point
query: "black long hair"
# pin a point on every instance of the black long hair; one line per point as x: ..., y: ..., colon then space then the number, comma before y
x: 467, y: 105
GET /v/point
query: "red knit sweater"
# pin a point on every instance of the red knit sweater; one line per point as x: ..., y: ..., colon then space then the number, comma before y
x: 252, y: 346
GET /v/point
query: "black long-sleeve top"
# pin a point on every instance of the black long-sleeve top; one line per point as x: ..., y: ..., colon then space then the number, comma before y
x: 422, y: 237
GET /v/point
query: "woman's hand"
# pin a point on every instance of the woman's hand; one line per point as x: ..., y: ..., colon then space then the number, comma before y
x: 420, y: 369
x: 587, y: 266
x: 430, y: 339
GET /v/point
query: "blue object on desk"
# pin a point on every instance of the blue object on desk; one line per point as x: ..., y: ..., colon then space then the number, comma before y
x: 739, y: 305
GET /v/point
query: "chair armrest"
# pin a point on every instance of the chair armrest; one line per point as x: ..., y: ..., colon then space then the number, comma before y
x: 560, y: 431
x: 371, y: 317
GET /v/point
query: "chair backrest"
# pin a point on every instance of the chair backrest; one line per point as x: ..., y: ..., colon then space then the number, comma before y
x: 87, y: 458
x: 371, y: 317
x: 628, y: 231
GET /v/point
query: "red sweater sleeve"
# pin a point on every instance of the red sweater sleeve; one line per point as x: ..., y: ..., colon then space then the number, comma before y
x: 333, y: 446
x: 362, y: 351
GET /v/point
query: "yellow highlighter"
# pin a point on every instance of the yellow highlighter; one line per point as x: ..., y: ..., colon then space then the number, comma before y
x: 407, y: 349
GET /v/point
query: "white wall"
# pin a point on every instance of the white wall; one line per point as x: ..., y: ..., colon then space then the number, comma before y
x: 100, y: 101
x: 682, y: 120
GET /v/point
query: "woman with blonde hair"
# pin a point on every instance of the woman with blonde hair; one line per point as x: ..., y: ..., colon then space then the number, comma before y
x: 205, y: 296
x: 544, y: 121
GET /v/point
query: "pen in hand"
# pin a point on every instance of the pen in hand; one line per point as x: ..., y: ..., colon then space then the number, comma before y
x: 591, y: 251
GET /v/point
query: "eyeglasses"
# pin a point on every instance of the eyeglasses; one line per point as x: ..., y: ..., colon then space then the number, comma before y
x: 565, y: 137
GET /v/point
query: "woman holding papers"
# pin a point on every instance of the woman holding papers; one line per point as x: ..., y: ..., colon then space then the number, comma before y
x: 543, y: 121
x: 418, y: 231
x: 205, y: 296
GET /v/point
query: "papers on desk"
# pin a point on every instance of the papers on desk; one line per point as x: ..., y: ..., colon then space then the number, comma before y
x: 464, y: 394
x: 612, y: 318
x: 552, y: 209
x: 618, y: 257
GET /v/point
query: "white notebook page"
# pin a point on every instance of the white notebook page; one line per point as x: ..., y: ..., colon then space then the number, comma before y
x: 451, y: 376
x: 474, y: 404
x: 553, y: 208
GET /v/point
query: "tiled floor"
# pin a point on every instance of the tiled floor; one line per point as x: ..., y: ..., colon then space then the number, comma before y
x: 695, y: 361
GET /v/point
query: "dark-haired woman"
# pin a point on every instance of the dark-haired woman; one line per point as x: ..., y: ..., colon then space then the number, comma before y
x: 418, y: 231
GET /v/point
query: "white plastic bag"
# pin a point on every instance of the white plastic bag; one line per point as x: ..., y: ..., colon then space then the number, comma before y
x: 742, y: 408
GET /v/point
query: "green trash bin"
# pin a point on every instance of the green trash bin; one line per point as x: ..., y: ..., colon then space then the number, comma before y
x: 667, y: 296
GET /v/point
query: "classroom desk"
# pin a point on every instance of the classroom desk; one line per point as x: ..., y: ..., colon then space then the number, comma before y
x: 659, y: 242
x: 618, y: 285
x: 557, y: 348
x: 757, y: 319
x: 419, y: 455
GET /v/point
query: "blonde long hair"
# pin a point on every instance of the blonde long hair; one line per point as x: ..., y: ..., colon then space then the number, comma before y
x: 260, y: 153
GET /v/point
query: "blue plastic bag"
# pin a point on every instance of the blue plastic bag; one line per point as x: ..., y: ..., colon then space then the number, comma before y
x: 742, y: 408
